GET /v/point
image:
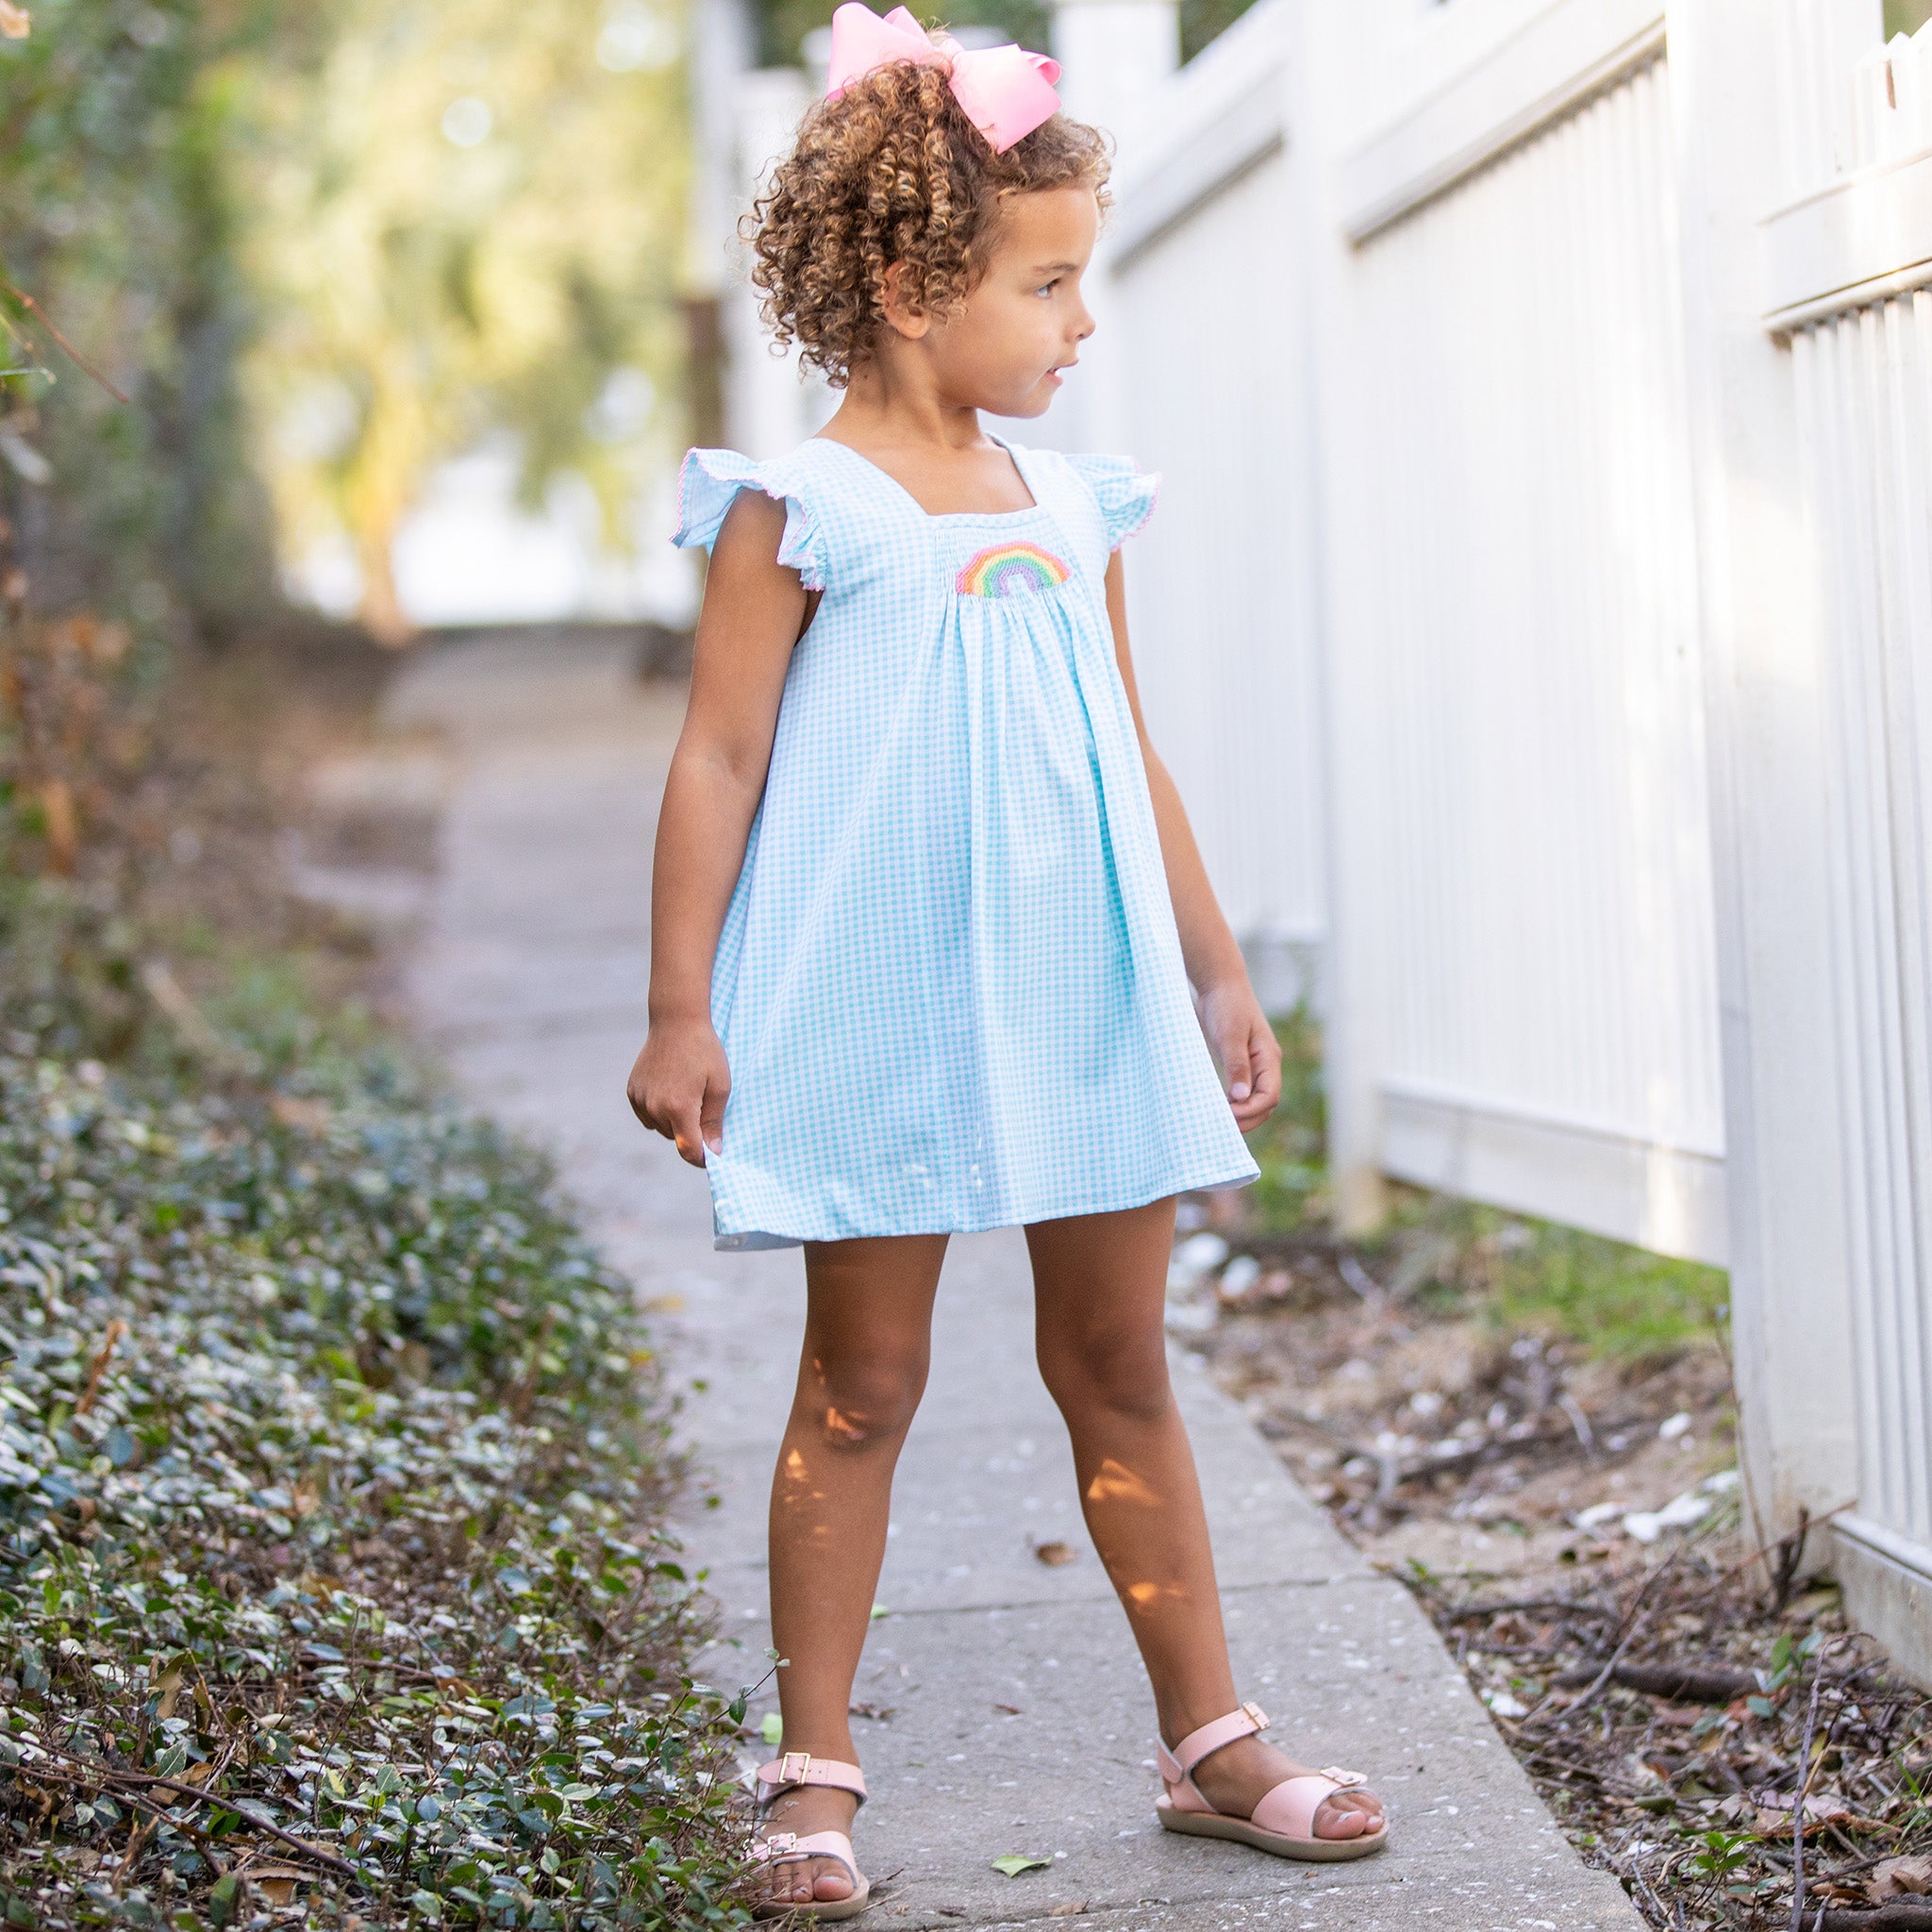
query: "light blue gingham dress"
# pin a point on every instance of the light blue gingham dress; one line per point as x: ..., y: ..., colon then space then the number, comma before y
x: 949, y: 984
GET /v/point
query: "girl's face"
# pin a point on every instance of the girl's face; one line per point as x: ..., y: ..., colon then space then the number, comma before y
x: 1024, y: 320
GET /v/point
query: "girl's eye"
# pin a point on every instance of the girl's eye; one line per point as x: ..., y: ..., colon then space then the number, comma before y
x: 1047, y: 288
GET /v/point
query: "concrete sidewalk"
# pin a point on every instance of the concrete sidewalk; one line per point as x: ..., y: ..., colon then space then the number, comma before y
x: 1014, y: 1717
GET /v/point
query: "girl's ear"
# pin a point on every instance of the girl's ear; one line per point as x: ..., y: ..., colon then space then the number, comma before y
x: 901, y: 316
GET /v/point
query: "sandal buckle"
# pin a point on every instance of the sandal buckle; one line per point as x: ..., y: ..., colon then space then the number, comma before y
x: 1259, y: 1716
x: 1343, y: 1780
x: 777, y: 1846
x: 787, y: 1775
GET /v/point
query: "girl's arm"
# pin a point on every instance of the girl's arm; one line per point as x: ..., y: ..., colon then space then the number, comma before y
x: 755, y: 611
x: 1231, y: 1016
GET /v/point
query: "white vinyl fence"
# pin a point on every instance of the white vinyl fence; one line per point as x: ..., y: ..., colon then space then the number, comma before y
x: 1219, y: 406
x: 1539, y: 623
x: 1598, y: 338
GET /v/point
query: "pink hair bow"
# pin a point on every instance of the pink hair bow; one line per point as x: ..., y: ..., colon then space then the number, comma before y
x: 1005, y: 91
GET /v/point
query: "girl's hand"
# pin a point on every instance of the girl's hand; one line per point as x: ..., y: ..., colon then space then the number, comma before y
x: 1245, y: 1046
x: 680, y: 1084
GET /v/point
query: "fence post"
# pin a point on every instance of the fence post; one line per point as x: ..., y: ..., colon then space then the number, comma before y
x: 1334, y: 52
x: 1763, y: 639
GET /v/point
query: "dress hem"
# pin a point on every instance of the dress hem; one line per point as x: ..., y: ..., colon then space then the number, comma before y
x: 756, y: 1240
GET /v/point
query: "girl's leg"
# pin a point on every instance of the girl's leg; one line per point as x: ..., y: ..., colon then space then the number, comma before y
x: 1100, y: 1288
x: 860, y: 1374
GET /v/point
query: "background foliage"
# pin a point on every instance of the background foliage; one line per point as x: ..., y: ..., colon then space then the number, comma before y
x: 117, y: 216
x: 784, y: 23
x: 320, y: 249
x: 468, y: 219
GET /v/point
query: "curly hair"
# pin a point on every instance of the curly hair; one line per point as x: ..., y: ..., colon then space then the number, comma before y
x: 893, y: 171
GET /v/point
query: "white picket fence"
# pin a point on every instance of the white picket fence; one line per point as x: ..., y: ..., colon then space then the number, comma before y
x: 1550, y: 384
x: 1538, y: 623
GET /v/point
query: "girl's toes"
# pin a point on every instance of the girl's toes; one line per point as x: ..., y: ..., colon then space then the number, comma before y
x: 832, y: 1885
x: 1342, y: 1820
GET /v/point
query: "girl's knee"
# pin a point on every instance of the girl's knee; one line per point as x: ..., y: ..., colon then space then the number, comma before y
x: 1119, y: 1371
x: 865, y: 1400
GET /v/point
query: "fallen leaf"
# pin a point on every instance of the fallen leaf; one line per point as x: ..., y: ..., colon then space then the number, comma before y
x: 277, y: 1883
x: 1071, y: 1909
x: 1010, y: 1709
x: 1054, y: 1553
x: 878, y: 1712
x: 1900, y: 1878
x: 1014, y: 1864
x: 1821, y: 1808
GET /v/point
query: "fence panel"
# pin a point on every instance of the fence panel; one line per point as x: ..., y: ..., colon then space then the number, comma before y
x: 1222, y: 586
x: 1863, y: 369
x: 1542, y: 832
x: 1221, y: 583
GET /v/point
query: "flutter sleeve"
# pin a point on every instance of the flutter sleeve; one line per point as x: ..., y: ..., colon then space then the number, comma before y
x: 1125, y: 497
x: 707, y: 486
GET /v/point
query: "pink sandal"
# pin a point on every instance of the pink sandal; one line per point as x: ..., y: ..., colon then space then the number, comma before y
x: 787, y: 1774
x: 1284, y: 1821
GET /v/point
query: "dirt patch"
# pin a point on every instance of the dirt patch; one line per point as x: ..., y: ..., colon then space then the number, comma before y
x: 1570, y: 1518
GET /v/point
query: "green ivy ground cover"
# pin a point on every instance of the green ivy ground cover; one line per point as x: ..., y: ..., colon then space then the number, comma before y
x: 330, y: 1463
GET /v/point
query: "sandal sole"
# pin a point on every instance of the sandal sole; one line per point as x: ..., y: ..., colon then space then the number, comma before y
x: 1241, y: 1831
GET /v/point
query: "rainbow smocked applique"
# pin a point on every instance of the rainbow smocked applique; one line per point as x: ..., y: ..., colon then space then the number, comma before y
x: 1013, y: 570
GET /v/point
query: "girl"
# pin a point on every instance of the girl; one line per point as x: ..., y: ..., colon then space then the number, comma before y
x: 926, y: 909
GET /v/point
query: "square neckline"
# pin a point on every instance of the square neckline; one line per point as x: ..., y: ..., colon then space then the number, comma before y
x: 948, y: 516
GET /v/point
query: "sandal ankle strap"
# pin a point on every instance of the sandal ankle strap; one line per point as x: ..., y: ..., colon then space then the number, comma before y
x: 800, y: 1768
x: 1179, y: 1764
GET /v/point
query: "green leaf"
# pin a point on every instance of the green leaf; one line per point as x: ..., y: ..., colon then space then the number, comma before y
x: 1014, y: 1864
x: 772, y: 1729
x: 221, y: 1896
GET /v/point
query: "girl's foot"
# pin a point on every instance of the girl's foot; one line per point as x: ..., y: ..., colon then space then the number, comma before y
x: 803, y: 1811
x: 1238, y: 1776
x: 1221, y: 1782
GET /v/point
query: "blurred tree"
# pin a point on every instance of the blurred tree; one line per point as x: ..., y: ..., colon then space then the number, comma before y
x: 785, y: 23
x: 468, y: 221
x: 1205, y: 20
x: 1906, y: 16
x: 115, y: 219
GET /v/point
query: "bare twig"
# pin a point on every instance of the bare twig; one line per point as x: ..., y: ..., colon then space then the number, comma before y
x: 1578, y: 1421
x: 523, y: 1391
x: 1790, y: 1553
x: 73, y: 353
x: 1804, y: 1785
x: 1564, y: 1605
x: 106, y: 1778
x: 1680, y: 1683
x: 98, y: 1367
x: 1633, y: 1622
x: 1362, y: 1282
